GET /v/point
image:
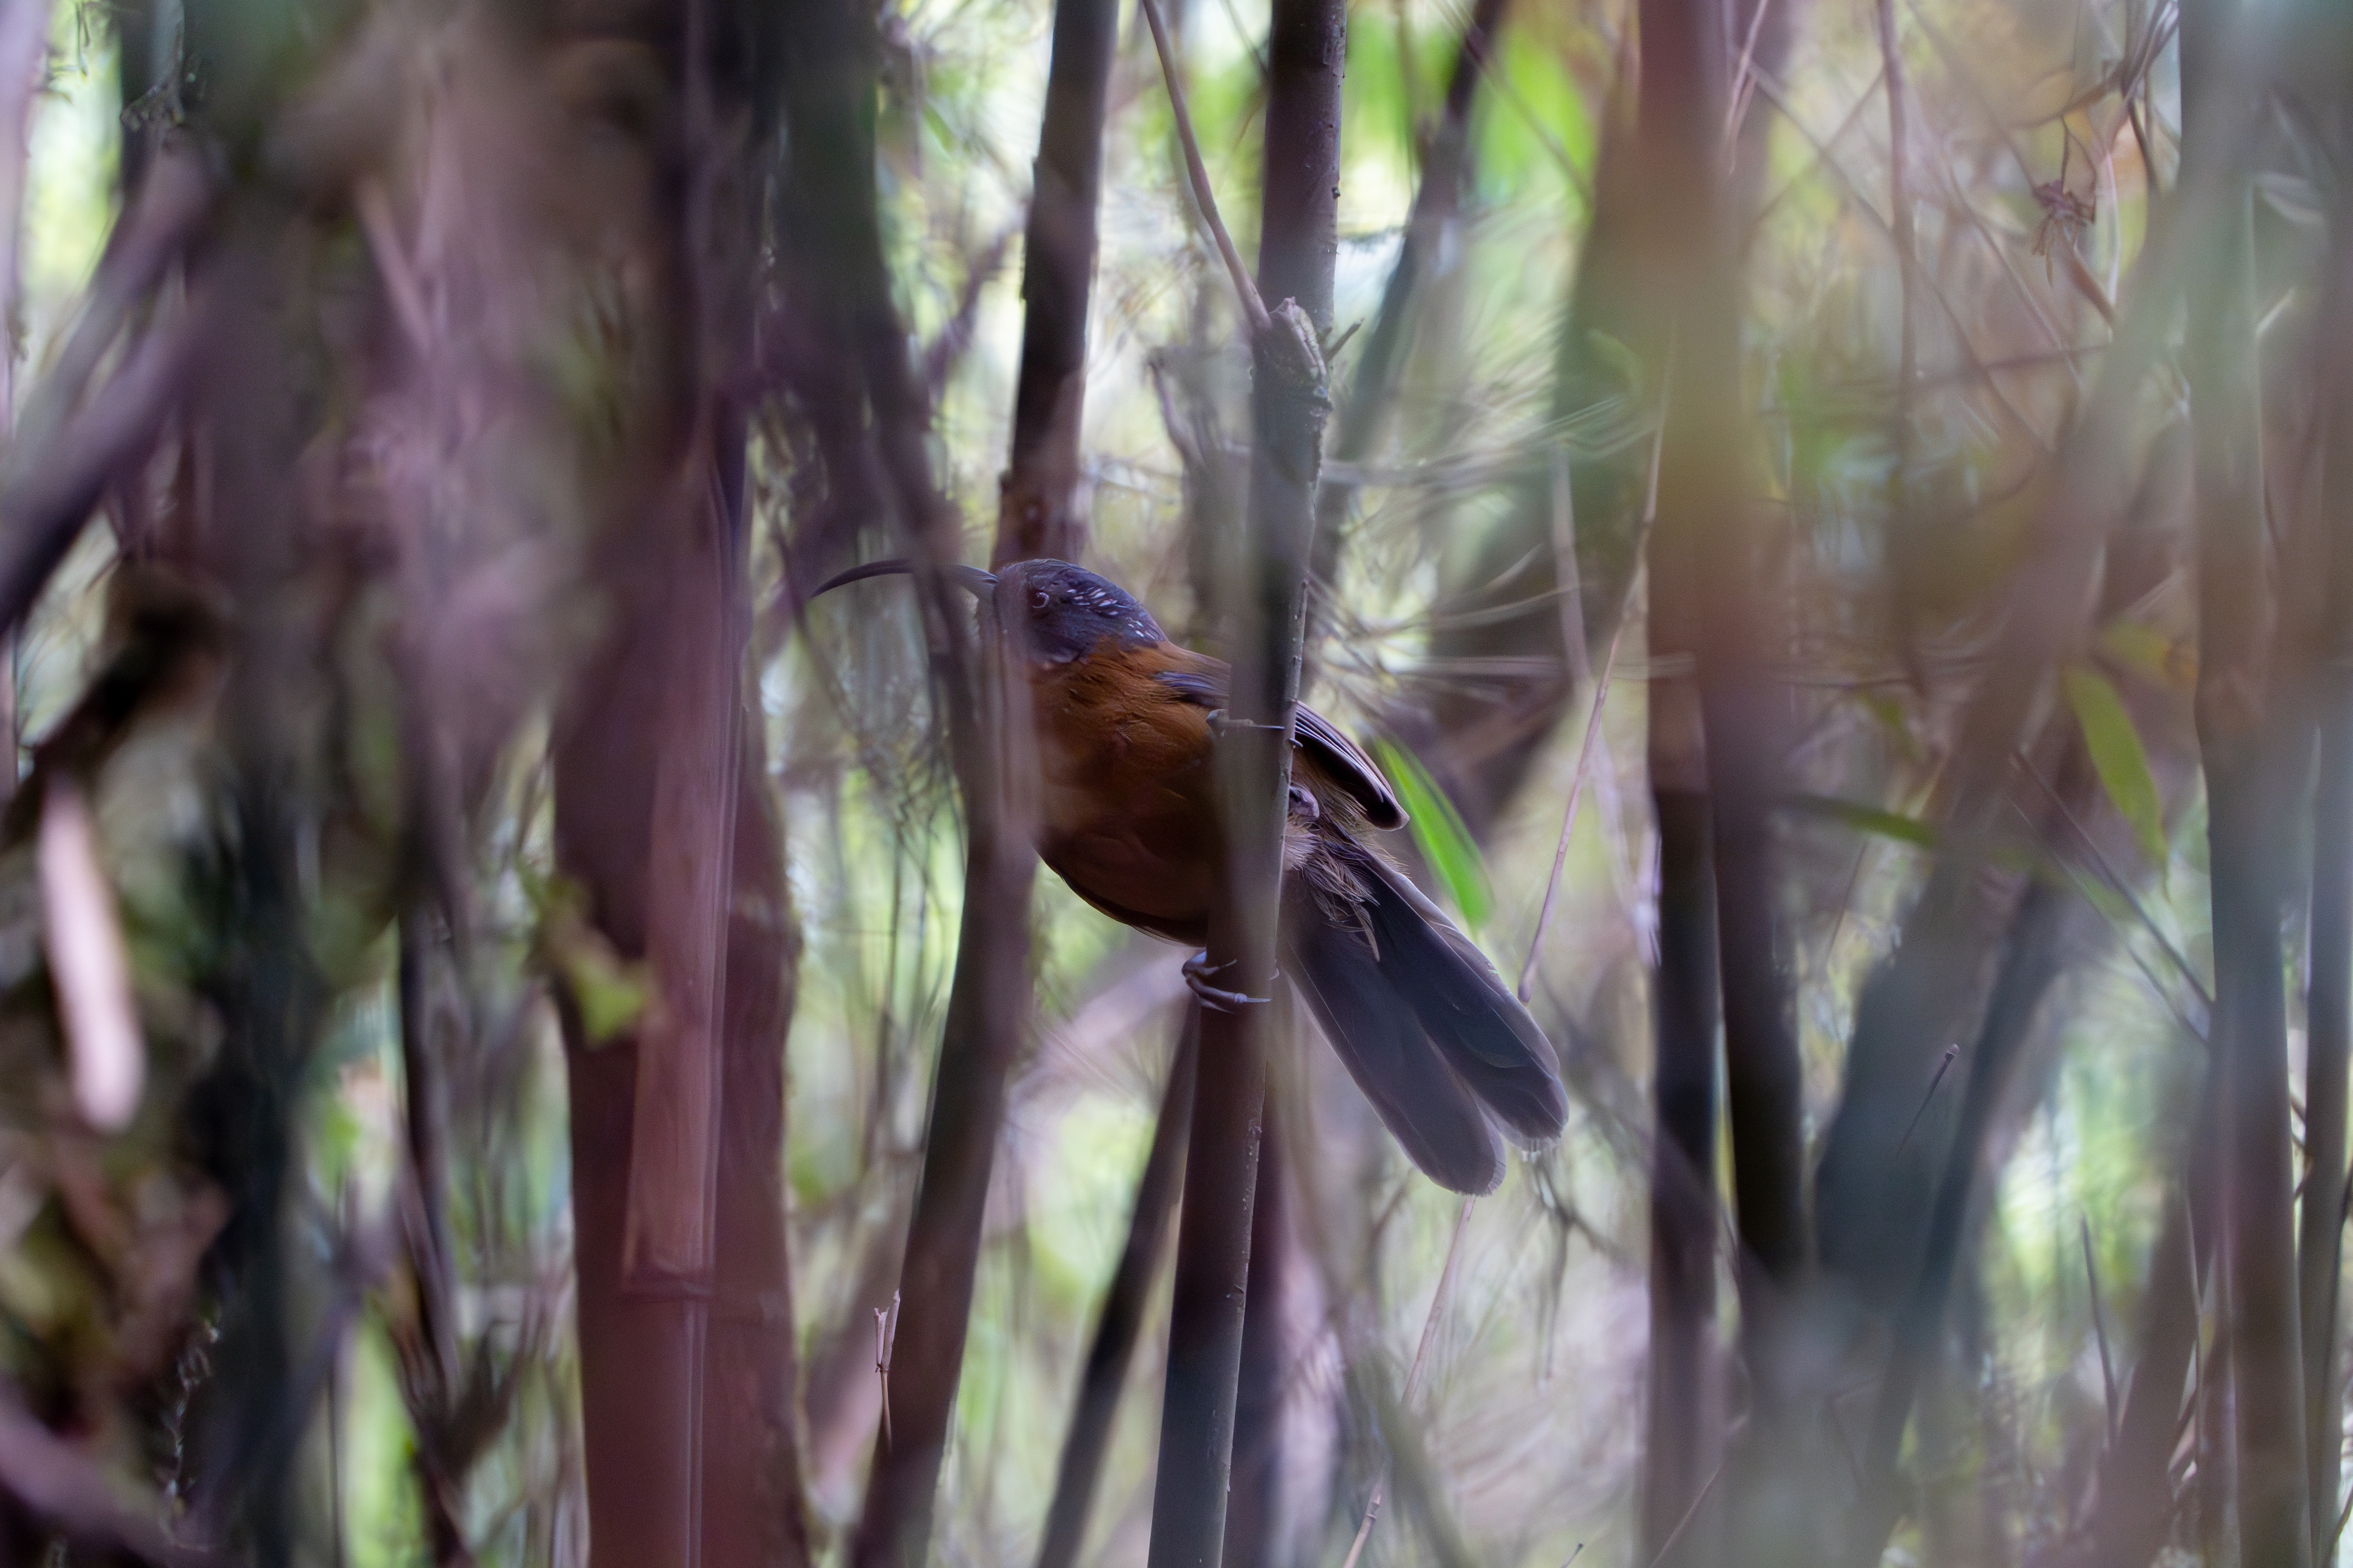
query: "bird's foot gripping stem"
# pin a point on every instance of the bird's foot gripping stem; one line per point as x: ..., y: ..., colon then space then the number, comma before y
x: 1198, y: 970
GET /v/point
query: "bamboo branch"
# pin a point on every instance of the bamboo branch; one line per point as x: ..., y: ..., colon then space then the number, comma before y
x: 60, y: 1485
x: 2129, y: 1522
x: 1121, y: 1324
x: 1037, y: 508
x: 1254, y: 309
x: 1585, y: 753
x: 2328, y: 996
x: 1413, y: 1374
x: 1265, y: 571
x: 2250, y: 753
x: 835, y: 226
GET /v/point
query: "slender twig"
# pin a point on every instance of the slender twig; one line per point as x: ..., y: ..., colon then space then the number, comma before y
x: 335, y: 1442
x: 1822, y: 145
x: 1773, y: 95
x: 2197, y: 1343
x: 1689, y: 1515
x: 1658, y: 437
x: 2108, y: 870
x: 1942, y: 1068
x: 1575, y: 789
x: 1413, y: 1375
x: 67, y: 450
x: 2085, y: 891
x: 1600, y: 697
x: 1438, y: 1300
x: 2147, y: 154
x: 1736, y: 103
x: 1899, y: 203
x: 886, y: 1330
x: 48, y: 486
x: 1544, y: 134
x: 2100, y: 1329
x: 1571, y: 591
x: 400, y: 282
x: 1253, y: 308
x: 1363, y: 1530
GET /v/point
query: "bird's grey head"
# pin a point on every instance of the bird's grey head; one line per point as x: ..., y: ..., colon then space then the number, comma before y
x: 1061, y: 611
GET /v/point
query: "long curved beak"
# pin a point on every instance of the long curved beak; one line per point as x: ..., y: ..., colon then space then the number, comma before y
x: 981, y: 584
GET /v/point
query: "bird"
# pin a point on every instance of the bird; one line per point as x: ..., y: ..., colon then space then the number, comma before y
x: 1126, y: 724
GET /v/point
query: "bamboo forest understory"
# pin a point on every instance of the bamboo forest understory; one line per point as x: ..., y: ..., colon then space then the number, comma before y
x: 1670, y: 882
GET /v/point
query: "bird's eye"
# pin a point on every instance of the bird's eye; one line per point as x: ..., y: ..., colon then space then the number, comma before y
x: 1040, y: 599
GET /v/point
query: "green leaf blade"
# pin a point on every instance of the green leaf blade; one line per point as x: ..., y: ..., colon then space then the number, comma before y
x: 2119, y: 757
x: 1441, y: 835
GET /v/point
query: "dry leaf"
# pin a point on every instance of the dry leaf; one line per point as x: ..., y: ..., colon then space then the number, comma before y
x: 88, y: 966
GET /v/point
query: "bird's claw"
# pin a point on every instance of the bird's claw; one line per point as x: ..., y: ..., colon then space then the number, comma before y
x: 1198, y: 970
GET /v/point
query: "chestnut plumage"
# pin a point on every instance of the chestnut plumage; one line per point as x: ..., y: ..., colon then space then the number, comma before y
x: 1127, y: 817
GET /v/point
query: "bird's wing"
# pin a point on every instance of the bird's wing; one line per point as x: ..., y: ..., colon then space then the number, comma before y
x: 1357, y: 773
x: 1203, y: 680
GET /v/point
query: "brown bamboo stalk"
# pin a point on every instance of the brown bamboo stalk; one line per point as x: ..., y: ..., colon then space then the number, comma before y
x: 1687, y: 260
x: 1254, y: 1497
x: 829, y: 222
x: 2135, y: 1505
x: 1683, y: 1434
x: 753, y: 1514
x: 1122, y: 1321
x: 2328, y: 997
x: 424, y: 1102
x: 2242, y: 703
x: 1266, y: 568
x: 644, y: 1328
x: 1707, y: 511
x: 2216, y: 1481
x: 251, y: 419
x: 1037, y: 510
x: 2321, y: 1245
x: 69, y: 448
x: 1871, y: 1198
x: 2031, y: 961
x: 673, y: 1184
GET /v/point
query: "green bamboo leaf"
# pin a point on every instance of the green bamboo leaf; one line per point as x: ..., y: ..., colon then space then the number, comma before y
x: 1439, y: 834
x: 2144, y: 651
x: 2119, y: 757
x: 612, y: 993
x: 1871, y: 819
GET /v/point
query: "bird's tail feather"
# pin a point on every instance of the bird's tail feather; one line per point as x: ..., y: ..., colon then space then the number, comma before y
x: 1485, y: 1034
x: 1427, y: 1108
x: 1427, y: 1027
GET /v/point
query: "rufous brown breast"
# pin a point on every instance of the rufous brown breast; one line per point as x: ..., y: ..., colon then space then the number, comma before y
x: 1126, y: 800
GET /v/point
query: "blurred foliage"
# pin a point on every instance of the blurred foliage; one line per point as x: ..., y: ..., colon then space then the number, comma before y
x: 2033, y: 204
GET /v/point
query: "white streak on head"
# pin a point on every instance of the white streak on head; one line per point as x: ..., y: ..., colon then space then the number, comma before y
x: 89, y: 969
